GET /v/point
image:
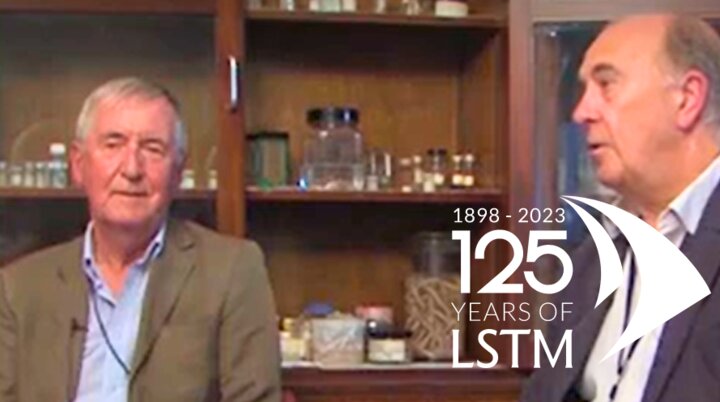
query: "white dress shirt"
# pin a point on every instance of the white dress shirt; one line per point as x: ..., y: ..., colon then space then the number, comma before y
x: 680, y: 218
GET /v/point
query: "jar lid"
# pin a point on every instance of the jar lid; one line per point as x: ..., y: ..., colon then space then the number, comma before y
x: 437, y: 151
x: 337, y: 114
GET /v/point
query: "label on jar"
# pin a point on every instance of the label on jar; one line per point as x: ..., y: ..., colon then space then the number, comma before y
x: 387, y: 350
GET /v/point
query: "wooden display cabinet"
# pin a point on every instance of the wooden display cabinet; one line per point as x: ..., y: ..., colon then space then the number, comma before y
x: 418, y: 82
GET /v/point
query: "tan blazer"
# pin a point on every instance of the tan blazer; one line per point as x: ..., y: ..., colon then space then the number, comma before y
x: 207, y: 332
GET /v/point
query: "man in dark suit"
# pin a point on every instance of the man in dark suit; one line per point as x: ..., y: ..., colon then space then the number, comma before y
x: 140, y: 308
x: 651, y: 108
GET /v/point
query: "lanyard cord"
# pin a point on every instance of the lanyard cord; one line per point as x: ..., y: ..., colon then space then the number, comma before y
x: 622, y: 364
x: 105, y: 335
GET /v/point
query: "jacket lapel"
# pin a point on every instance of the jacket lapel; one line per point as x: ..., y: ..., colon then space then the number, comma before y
x: 168, y: 275
x: 698, y: 248
x: 72, y: 313
x: 585, y: 333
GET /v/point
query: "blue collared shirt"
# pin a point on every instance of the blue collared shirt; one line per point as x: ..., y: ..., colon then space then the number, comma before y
x: 102, y: 377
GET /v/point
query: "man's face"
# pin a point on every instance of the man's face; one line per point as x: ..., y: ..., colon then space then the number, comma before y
x: 626, y: 105
x: 128, y: 164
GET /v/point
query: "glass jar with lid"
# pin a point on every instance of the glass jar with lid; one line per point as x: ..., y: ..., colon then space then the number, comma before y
x: 334, y: 156
x: 430, y: 294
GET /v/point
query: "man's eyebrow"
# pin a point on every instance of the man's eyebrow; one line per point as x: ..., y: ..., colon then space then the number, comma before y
x: 111, y: 134
x: 603, y: 69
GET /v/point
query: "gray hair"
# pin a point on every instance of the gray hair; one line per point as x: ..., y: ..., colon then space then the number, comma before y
x: 691, y: 43
x: 130, y: 87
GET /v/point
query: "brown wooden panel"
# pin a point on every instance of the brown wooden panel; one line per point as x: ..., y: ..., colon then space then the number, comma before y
x: 111, y: 6
x: 428, y: 385
x: 487, y: 19
x: 346, y: 254
x: 482, y: 105
x: 230, y: 46
x: 404, y: 80
x: 49, y: 64
x: 478, y: 196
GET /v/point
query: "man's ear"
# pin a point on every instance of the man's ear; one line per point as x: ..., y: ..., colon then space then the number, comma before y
x: 692, y: 99
x: 77, y: 158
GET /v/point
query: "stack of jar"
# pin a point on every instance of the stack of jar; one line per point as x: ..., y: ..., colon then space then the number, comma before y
x: 434, y: 171
x: 41, y: 174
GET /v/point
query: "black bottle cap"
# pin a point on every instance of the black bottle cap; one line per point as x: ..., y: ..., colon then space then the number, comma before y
x: 333, y: 114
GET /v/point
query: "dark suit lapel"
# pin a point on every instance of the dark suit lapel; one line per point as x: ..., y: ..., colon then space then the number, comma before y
x: 700, y: 249
x: 168, y: 275
x: 72, y: 313
x: 585, y: 333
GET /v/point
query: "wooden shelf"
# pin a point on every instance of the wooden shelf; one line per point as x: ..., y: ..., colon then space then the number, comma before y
x: 472, y: 21
x: 395, y: 382
x: 479, y: 196
x: 20, y: 193
x: 203, y: 7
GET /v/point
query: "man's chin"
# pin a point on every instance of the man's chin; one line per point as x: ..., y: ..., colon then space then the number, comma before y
x: 128, y: 224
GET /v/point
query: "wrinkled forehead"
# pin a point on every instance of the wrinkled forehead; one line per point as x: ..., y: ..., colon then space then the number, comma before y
x: 627, y: 45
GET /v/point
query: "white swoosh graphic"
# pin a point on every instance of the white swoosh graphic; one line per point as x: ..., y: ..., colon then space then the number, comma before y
x: 668, y: 282
x: 611, y: 271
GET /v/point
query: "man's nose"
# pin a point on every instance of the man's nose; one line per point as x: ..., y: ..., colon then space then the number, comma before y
x: 133, y: 164
x: 586, y: 109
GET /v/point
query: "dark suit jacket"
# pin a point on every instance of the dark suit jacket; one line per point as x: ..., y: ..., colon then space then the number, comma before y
x: 687, y: 364
x: 207, y: 331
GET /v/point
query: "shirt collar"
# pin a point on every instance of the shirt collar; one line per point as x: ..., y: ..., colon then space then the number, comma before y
x: 687, y: 208
x: 153, y: 250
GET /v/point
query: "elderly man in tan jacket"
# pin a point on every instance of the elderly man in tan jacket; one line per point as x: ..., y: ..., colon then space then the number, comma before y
x: 142, y: 307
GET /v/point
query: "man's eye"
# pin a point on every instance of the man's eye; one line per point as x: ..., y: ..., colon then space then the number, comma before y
x: 155, y: 149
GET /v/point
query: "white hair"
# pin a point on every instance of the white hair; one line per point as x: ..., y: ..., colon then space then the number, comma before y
x: 130, y: 87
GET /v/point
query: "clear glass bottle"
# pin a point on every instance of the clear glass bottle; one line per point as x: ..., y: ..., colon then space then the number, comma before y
x: 436, y: 164
x: 468, y: 171
x: 29, y: 175
x: 58, y: 165
x: 405, y: 175
x: 334, y: 157
x: 3, y: 174
x: 42, y: 179
x: 15, y: 175
x: 418, y: 175
x: 457, y: 179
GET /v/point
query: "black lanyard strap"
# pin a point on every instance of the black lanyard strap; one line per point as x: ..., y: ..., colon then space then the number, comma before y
x: 105, y: 335
x: 622, y: 365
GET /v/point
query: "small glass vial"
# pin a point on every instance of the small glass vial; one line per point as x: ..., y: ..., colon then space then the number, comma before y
x: 58, y: 165
x: 405, y: 175
x: 212, y: 180
x: 458, y: 177
x: 468, y: 171
x: 380, y: 6
x: 411, y: 7
x: 436, y: 164
x: 418, y: 176
x: 29, y: 175
x: 287, y: 5
x: 188, y: 179
x: 42, y: 179
x: 3, y: 174
x: 15, y: 175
